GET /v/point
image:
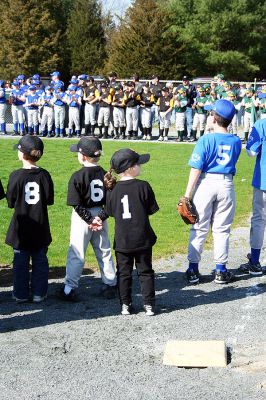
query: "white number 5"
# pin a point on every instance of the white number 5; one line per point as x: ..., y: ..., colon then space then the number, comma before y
x: 223, y: 157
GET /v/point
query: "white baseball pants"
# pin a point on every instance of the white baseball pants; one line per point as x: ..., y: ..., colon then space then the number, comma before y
x: 258, y: 219
x: 119, y: 117
x: 164, y: 120
x: 132, y: 118
x: 80, y: 237
x: 33, y: 118
x: 180, y: 119
x: 104, y: 116
x: 59, y: 116
x: 90, y: 114
x: 145, y: 114
x: 47, y: 118
x: 73, y: 118
x: 214, y: 199
x: 199, y: 119
x: 17, y: 114
x: 2, y: 113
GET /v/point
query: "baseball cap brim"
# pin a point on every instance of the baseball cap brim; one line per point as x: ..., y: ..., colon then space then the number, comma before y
x: 74, y: 148
x: 144, y: 158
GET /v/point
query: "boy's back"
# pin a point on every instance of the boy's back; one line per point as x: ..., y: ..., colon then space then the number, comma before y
x: 29, y: 192
x: 86, y: 187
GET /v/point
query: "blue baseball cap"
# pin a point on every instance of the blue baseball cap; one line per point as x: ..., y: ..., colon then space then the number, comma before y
x: 83, y: 77
x: 58, y: 86
x: 21, y: 77
x: 36, y: 77
x: 32, y: 87
x: 74, y: 81
x: 15, y: 83
x: 48, y: 88
x: 223, y: 108
x: 72, y: 87
x: 55, y: 73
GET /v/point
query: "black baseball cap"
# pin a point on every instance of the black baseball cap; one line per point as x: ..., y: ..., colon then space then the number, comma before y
x: 28, y: 143
x: 126, y: 158
x: 88, y: 146
x: 185, y: 78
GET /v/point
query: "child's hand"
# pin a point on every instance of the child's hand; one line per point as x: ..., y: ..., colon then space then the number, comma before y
x: 96, y: 225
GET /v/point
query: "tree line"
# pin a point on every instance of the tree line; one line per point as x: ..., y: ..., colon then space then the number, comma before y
x: 166, y: 37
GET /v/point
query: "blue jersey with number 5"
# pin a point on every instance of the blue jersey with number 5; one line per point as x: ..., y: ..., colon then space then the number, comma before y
x: 216, y: 153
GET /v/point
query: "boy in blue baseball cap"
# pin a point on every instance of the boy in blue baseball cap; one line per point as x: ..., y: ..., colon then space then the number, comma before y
x: 210, y: 185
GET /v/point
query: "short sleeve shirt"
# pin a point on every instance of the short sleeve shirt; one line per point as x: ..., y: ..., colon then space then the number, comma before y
x: 216, y: 153
x: 130, y: 203
x: 257, y: 144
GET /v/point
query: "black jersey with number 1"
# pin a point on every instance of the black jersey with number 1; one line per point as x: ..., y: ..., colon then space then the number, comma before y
x: 130, y: 203
x: 29, y: 192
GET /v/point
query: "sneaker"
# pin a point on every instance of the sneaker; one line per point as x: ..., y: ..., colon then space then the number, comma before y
x: 224, y: 277
x: 144, y: 137
x: 126, y: 309
x: 71, y: 296
x: 192, y: 276
x: 19, y: 300
x: 149, y: 310
x: 252, y: 269
x: 160, y: 139
x: 148, y: 137
x: 165, y: 138
x: 38, y: 299
x: 108, y: 292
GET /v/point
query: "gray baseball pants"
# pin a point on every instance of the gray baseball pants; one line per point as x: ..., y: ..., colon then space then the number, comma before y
x: 214, y: 199
x: 258, y: 219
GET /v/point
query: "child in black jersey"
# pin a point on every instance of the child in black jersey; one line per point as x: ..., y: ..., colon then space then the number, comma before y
x: 30, y: 190
x: 86, y: 194
x: 130, y: 201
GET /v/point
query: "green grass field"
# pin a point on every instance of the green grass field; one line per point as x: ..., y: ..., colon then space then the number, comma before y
x: 167, y: 173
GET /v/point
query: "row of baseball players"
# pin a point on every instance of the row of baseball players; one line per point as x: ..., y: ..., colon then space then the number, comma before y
x: 95, y: 195
x: 125, y: 107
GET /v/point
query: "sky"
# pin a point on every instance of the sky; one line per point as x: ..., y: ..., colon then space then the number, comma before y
x: 116, y: 6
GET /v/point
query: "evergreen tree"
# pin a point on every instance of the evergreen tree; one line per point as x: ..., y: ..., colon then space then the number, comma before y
x: 143, y: 43
x: 221, y: 35
x: 31, y: 39
x: 86, y: 36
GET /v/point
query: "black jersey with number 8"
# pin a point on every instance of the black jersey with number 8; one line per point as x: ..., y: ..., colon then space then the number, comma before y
x: 29, y: 192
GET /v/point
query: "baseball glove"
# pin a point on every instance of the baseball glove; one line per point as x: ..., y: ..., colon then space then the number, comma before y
x: 187, y: 210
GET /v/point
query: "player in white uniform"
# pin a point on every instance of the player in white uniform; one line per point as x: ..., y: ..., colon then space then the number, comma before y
x: 86, y: 194
x: 211, y: 186
x: 256, y: 148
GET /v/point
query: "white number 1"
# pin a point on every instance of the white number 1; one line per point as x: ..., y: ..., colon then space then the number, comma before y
x: 126, y: 214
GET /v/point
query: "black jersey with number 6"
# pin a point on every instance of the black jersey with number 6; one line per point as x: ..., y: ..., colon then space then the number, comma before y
x: 130, y: 203
x: 29, y: 192
x: 86, y: 188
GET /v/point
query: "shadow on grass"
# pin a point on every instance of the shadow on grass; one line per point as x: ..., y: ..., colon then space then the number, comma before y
x: 172, y: 294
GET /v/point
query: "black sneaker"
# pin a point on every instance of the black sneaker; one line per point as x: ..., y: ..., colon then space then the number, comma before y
x: 192, y: 276
x: 224, y: 277
x: 250, y: 268
x: 71, y: 296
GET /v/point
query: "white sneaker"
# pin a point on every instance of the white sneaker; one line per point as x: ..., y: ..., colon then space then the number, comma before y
x: 160, y: 139
x: 38, y: 299
x: 125, y: 310
x: 149, y: 310
x: 165, y: 138
x: 144, y: 137
x: 148, y: 137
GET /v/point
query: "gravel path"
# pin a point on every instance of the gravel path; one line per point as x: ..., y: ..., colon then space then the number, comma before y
x: 87, y: 350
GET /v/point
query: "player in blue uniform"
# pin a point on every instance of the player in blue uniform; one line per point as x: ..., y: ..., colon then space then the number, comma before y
x: 2, y: 107
x: 256, y: 148
x: 211, y: 186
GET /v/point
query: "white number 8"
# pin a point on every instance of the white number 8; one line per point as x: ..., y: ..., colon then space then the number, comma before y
x: 32, y: 193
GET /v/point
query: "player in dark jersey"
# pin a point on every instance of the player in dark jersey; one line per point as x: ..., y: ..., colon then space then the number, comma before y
x: 30, y: 190
x: 86, y: 194
x: 130, y: 201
